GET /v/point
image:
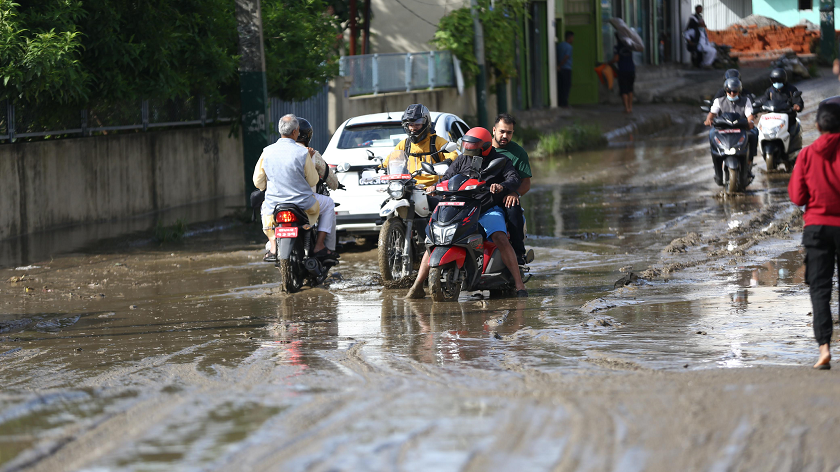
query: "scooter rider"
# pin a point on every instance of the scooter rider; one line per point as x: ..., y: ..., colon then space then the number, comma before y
x: 780, y: 87
x: 477, y: 144
x: 735, y: 102
x: 422, y: 143
x: 326, y: 217
x: 732, y: 73
x: 502, y: 140
x: 287, y: 174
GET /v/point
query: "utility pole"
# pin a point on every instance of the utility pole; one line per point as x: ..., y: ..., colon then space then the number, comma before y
x: 828, y: 44
x: 366, y: 32
x: 481, y: 80
x: 353, y: 29
x: 252, y: 86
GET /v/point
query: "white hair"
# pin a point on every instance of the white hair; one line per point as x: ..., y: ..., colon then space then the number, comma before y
x: 288, y: 124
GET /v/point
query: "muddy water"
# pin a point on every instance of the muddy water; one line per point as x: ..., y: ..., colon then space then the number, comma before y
x: 186, y: 356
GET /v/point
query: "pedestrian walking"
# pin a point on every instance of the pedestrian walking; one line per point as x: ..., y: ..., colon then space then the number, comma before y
x: 564, y: 69
x: 623, y: 57
x: 815, y: 183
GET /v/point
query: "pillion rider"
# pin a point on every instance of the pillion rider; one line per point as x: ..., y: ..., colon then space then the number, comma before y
x: 287, y: 174
x: 422, y: 144
x: 503, y: 130
x: 734, y: 102
x: 477, y: 143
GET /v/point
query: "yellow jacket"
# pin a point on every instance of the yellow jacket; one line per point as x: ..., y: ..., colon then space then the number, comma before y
x: 420, y: 148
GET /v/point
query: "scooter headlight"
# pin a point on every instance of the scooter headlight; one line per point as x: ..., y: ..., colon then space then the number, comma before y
x: 444, y: 234
x: 396, y: 190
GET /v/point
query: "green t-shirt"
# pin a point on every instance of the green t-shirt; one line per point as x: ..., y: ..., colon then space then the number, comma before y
x: 519, y: 157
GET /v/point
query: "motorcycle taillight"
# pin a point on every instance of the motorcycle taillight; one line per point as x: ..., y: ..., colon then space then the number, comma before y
x: 285, y: 217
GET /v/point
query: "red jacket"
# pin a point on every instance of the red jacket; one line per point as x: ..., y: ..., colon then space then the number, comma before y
x: 815, y: 181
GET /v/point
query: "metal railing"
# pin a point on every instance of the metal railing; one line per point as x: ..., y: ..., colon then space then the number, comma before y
x: 379, y: 73
x: 315, y: 110
x: 23, y: 120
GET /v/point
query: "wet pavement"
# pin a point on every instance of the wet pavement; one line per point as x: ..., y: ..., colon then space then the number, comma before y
x: 185, y: 356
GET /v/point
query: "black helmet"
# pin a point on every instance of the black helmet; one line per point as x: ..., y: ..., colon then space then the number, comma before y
x: 417, y: 114
x: 732, y: 85
x: 732, y: 73
x: 305, y: 132
x: 778, y: 75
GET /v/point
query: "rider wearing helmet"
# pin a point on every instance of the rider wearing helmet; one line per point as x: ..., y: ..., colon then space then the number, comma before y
x: 730, y: 74
x: 781, y: 88
x: 478, y: 153
x: 422, y: 143
x: 326, y: 239
x: 734, y: 102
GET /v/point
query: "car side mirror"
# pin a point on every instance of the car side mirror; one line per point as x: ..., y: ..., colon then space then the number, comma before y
x: 427, y: 168
x: 450, y: 147
x: 370, y: 155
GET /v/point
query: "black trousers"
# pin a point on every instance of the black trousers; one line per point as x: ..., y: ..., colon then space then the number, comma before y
x: 516, y: 227
x: 822, y: 254
x: 564, y: 86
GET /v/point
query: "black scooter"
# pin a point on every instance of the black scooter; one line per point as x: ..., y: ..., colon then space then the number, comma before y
x: 730, y: 146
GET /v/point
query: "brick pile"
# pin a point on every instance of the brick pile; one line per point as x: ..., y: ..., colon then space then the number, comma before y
x: 752, y: 40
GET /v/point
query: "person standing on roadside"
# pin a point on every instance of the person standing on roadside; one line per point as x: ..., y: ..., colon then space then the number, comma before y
x: 564, y: 69
x: 502, y: 135
x: 815, y: 183
x: 623, y: 56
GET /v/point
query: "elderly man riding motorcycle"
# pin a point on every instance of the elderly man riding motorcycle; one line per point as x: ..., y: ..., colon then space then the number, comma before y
x: 288, y: 174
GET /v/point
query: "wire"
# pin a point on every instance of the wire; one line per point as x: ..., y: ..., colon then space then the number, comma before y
x: 415, y: 14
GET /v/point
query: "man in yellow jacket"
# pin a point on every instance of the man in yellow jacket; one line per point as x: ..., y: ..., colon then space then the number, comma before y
x: 423, y: 143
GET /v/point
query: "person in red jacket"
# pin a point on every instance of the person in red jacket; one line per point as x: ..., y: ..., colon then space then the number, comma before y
x: 815, y: 183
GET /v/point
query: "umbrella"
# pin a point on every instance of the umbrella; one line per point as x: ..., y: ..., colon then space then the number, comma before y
x: 628, y: 35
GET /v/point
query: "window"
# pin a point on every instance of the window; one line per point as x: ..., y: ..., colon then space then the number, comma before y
x: 806, y: 4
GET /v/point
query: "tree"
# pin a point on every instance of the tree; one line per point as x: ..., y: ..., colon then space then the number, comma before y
x: 301, y: 48
x: 455, y: 33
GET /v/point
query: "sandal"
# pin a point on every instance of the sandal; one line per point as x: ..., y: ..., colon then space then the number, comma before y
x: 521, y: 294
x: 269, y: 257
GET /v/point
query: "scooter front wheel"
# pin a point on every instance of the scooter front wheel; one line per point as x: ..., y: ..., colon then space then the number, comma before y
x: 732, y: 185
x: 771, y: 163
x: 390, y: 251
x: 443, y: 283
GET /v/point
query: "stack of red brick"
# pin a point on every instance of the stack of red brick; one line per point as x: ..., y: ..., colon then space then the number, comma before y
x: 752, y: 40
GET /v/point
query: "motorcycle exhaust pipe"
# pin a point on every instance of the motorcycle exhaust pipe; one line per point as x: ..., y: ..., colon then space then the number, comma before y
x: 313, y: 266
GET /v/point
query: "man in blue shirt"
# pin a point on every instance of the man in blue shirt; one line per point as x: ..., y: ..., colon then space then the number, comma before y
x: 564, y: 69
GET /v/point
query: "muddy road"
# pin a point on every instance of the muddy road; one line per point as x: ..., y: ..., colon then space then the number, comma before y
x: 134, y: 356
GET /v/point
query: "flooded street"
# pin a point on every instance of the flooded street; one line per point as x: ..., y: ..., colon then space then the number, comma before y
x: 185, y: 356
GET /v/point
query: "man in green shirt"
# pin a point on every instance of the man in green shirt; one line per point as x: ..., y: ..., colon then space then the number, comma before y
x: 502, y: 134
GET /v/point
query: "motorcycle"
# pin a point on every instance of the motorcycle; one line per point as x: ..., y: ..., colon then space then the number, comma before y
x: 730, y: 149
x: 404, y: 211
x: 775, y: 142
x: 461, y: 257
x: 294, y: 240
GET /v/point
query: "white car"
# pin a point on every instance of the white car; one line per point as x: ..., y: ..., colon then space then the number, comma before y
x: 358, y: 206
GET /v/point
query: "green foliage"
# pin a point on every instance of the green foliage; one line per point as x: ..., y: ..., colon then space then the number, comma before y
x: 172, y: 233
x: 301, y: 49
x: 69, y: 52
x: 500, y: 24
x: 527, y: 135
x: 571, y: 138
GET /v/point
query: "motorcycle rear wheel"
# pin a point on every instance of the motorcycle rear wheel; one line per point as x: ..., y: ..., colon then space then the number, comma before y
x: 391, y: 243
x: 444, y: 290
x: 732, y: 185
x: 292, y: 275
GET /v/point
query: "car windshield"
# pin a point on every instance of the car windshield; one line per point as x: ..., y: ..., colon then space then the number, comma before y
x: 368, y: 136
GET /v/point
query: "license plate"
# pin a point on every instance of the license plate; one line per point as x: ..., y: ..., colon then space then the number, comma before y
x: 454, y: 204
x: 395, y: 177
x: 285, y: 232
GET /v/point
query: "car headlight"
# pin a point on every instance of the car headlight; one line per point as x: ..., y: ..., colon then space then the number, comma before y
x: 395, y: 190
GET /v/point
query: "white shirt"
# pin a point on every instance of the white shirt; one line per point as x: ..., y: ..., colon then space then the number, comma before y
x: 748, y: 109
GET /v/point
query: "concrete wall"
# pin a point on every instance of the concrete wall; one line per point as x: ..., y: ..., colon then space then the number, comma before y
x: 49, y: 184
x: 447, y: 100
x: 407, y: 26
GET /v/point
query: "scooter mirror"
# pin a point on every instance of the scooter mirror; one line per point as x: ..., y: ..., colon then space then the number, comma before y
x: 370, y: 155
x: 342, y: 167
x: 427, y: 168
x: 706, y: 109
x: 450, y: 147
x: 494, y: 166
